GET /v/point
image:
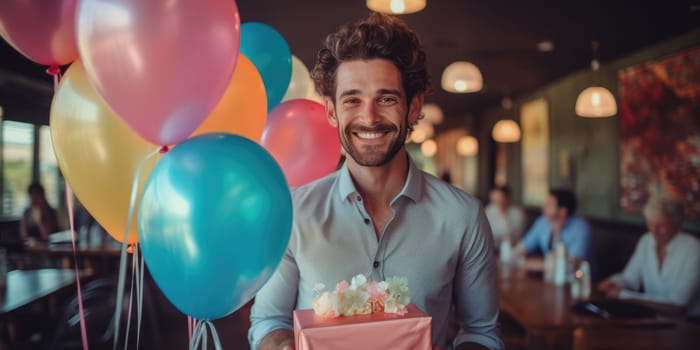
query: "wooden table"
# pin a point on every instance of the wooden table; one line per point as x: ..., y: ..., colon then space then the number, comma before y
x: 28, y: 287
x: 25, y: 287
x: 95, y: 257
x: 544, y: 311
x: 680, y: 337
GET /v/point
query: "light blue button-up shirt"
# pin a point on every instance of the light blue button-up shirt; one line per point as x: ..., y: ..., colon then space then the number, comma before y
x: 438, y: 238
x: 575, y: 234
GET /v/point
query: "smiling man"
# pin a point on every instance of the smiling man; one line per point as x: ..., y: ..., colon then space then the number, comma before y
x: 379, y: 214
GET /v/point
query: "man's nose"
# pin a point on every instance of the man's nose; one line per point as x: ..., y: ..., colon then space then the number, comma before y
x: 368, y: 114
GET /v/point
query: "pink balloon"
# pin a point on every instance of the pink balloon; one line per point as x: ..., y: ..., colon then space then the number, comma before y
x: 161, y: 65
x: 43, y: 31
x: 299, y: 137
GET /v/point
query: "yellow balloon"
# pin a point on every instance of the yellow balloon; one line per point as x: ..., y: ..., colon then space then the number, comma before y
x: 243, y: 108
x: 301, y: 85
x: 98, y: 153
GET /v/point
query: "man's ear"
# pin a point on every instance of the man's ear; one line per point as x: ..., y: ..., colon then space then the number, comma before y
x: 415, y: 108
x: 330, y: 111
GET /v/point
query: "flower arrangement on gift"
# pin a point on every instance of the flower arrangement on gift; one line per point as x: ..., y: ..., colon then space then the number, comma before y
x: 362, y: 296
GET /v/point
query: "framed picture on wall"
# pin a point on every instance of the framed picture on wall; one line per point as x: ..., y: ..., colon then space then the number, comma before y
x: 534, y: 122
x: 660, y: 131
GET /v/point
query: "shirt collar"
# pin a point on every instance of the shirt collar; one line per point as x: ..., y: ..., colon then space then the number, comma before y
x: 411, y: 189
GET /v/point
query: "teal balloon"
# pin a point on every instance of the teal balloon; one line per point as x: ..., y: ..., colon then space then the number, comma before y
x: 270, y: 54
x: 215, y: 218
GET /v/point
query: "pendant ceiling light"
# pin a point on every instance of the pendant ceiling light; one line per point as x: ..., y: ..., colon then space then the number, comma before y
x: 396, y: 7
x: 467, y: 146
x: 596, y: 101
x: 461, y: 77
x: 506, y: 130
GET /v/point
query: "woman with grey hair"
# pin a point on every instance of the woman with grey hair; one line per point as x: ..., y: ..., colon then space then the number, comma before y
x: 666, y: 263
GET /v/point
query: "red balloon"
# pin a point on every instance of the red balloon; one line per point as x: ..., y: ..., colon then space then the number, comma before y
x: 43, y: 31
x: 161, y: 65
x: 299, y: 137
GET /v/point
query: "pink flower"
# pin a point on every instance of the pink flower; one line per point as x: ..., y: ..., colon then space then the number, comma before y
x: 341, y: 286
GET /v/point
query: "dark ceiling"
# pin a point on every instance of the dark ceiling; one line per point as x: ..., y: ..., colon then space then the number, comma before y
x: 500, y: 37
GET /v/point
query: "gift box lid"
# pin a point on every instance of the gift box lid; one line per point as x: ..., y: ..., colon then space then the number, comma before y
x: 307, y: 318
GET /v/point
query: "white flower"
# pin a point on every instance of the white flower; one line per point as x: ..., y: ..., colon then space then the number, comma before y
x: 352, y: 302
x: 326, y: 304
x: 318, y: 287
x: 358, y: 282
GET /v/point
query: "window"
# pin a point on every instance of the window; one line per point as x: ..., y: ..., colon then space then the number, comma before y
x: 49, y: 175
x: 18, y: 145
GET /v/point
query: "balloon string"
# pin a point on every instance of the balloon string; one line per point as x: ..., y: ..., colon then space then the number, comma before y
x: 81, y: 313
x: 137, y: 280
x: 122, y: 261
x: 200, y: 336
x: 55, y: 72
x: 139, y: 293
x: 191, y: 323
x: 131, y: 298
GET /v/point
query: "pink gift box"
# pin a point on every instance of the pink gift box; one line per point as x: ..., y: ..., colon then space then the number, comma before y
x: 378, y: 331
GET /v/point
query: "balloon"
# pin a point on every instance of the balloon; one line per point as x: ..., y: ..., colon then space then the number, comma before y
x: 302, y: 141
x: 301, y: 85
x: 97, y: 152
x: 43, y: 31
x: 243, y: 108
x: 161, y: 65
x: 215, y: 217
x: 271, y: 55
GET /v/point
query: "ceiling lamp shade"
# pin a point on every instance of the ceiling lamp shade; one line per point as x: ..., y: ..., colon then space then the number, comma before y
x: 467, y: 146
x: 433, y: 113
x: 428, y: 148
x: 596, y: 102
x: 396, y: 7
x: 505, y: 131
x: 461, y: 77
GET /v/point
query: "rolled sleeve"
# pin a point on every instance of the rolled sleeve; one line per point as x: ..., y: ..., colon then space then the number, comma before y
x: 275, y: 302
x: 476, y: 289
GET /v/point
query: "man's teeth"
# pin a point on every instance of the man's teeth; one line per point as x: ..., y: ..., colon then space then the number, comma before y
x: 370, y: 135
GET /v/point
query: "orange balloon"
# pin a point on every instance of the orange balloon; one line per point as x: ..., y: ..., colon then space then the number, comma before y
x: 243, y: 108
x: 98, y: 153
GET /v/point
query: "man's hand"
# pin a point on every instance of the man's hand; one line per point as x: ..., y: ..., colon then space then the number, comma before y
x: 609, y: 288
x: 605, y: 286
x: 280, y: 339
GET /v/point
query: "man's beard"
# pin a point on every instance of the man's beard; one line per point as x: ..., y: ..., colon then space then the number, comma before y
x: 373, y: 155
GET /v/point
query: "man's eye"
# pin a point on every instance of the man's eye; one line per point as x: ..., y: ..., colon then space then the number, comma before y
x: 351, y: 101
x: 387, y: 100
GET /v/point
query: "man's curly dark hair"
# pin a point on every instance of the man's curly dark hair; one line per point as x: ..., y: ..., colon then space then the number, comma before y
x: 377, y: 36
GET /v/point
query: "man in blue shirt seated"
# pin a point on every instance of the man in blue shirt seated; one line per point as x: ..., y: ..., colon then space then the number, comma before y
x: 558, y: 224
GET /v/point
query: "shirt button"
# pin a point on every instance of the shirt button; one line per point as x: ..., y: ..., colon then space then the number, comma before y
x: 359, y: 199
x: 367, y: 221
x: 376, y: 264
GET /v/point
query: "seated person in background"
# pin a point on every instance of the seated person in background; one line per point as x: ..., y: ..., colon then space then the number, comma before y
x: 666, y: 263
x: 39, y: 220
x: 507, y: 220
x: 558, y: 224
